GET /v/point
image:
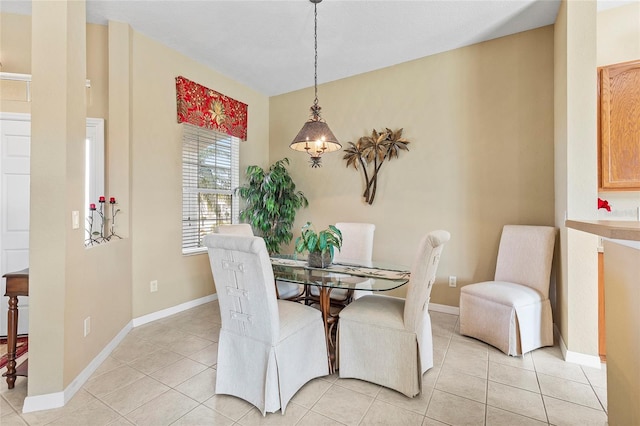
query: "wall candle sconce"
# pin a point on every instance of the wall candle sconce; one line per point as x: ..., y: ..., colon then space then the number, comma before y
x: 101, y: 236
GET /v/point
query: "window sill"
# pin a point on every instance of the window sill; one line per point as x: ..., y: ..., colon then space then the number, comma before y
x: 194, y: 251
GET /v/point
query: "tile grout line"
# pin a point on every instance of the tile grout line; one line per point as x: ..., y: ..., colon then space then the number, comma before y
x: 593, y: 390
x: 544, y: 405
x: 486, y: 393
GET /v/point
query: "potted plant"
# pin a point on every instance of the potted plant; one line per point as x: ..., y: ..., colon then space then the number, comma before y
x: 271, y: 203
x: 320, y: 245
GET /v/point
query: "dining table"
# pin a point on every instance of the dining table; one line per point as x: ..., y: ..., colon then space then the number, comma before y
x: 350, y: 275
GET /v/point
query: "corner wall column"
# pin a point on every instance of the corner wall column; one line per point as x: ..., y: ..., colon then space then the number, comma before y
x: 58, y: 114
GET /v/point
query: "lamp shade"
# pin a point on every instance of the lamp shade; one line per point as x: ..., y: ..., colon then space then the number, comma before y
x: 315, y: 138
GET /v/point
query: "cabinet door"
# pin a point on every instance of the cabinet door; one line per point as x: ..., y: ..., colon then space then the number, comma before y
x: 619, y: 135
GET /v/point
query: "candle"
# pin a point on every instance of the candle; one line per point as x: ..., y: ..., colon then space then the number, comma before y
x: 112, y: 200
x: 92, y: 206
x: 101, y: 199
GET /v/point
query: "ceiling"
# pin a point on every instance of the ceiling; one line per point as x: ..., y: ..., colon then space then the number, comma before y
x: 268, y: 44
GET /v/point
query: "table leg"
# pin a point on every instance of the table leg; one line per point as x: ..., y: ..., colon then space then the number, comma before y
x: 325, y: 306
x: 12, y: 333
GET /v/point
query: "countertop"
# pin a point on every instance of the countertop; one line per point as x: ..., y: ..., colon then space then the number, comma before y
x: 617, y: 230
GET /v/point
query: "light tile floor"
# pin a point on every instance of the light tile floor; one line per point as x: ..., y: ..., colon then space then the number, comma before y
x: 164, y: 373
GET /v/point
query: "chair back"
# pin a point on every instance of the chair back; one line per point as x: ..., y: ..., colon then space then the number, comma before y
x: 244, y: 280
x: 357, y: 241
x: 423, y: 275
x: 525, y: 256
x: 235, y: 229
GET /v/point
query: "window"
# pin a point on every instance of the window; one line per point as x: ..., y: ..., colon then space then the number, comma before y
x: 210, y: 163
x: 94, y: 172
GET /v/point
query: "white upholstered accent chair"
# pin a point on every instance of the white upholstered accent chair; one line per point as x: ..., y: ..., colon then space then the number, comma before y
x: 286, y: 290
x: 357, y: 244
x: 268, y: 348
x: 513, y: 312
x: 387, y: 340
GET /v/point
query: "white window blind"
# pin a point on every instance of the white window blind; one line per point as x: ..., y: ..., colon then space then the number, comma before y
x: 210, y: 163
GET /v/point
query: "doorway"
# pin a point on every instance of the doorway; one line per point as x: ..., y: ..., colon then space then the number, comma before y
x: 15, y: 154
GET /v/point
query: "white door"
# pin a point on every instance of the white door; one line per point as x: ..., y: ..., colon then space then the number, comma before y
x: 15, y: 144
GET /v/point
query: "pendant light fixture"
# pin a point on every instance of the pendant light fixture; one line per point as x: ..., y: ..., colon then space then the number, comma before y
x: 315, y: 137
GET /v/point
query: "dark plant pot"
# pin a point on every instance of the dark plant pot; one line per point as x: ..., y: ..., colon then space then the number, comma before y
x: 319, y: 260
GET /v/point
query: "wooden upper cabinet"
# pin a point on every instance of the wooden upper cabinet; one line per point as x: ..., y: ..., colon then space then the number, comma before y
x: 619, y: 126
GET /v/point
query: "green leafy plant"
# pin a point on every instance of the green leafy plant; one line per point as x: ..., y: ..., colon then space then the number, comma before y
x: 271, y: 203
x: 325, y: 241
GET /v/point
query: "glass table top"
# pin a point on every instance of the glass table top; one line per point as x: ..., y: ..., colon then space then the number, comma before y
x: 346, y: 274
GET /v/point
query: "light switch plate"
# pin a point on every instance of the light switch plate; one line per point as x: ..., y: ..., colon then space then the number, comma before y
x: 75, y: 219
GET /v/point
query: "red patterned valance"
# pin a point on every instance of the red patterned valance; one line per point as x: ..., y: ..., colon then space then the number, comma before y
x: 204, y: 107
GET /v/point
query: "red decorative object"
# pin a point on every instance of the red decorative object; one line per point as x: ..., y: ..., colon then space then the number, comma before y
x: 604, y: 204
x: 102, y: 234
x: 203, y: 107
x: 21, y: 347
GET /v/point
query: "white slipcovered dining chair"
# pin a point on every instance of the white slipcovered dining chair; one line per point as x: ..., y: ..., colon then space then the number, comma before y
x: 513, y: 312
x: 268, y: 348
x: 387, y: 340
x: 286, y: 290
x: 243, y: 229
x: 357, y: 245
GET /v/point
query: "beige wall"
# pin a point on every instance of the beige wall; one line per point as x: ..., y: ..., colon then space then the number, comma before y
x: 15, y: 43
x: 584, y: 39
x: 57, y: 135
x: 618, y: 34
x: 622, y: 269
x: 560, y: 313
x: 480, y: 122
x: 157, y: 173
x: 15, y: 56
x: 133, y: 87
x: 95, y: 282
x: 97, y: 71
x: 619, y: 41
x: 576, y: 170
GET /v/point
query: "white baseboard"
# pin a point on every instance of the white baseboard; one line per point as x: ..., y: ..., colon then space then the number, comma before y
x: 592, y: 361
x: 445, y: 309
x: 59, y: 399
x: 43, y: 402
x: 173, y: 310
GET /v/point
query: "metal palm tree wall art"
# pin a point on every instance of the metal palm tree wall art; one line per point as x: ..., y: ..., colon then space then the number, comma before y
x: 369, y: 154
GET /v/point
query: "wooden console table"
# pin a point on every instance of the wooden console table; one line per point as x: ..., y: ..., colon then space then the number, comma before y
x: 17, y: 285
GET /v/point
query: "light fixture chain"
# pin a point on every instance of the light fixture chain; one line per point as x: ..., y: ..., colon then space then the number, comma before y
x: 315, y: 63
x: 315, y: 137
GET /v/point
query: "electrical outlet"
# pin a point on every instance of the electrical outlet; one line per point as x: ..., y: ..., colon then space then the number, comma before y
x: 153, y: 286
x: 452, y: 281
x: 87, y: 326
